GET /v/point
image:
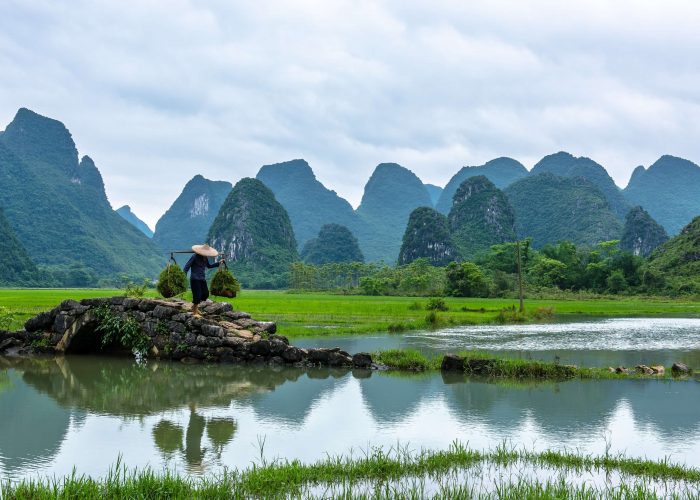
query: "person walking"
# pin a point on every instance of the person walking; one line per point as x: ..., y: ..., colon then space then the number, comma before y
x: 197, y: 265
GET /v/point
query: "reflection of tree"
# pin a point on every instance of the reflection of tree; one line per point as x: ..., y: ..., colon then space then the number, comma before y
x: 5, y: 382
x: 220, y: 432
x: 168, y: 437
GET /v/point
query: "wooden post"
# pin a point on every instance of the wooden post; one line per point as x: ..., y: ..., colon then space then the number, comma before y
x: 520, y: 278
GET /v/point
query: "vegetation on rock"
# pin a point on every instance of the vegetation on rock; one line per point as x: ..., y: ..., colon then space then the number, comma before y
x: 308, y: 202
x: 187, y: 221
x: 427, y: 236
x: 57, y: 207
x: 391, y: 194
x: 566, y: 165
x: 675, y: 265
x: 550, y: 209
x: 481, y: 216
x: 641, y: 234
x: 669, y: 190
x: 501, y: 171
x: 334, y: 243
x: 18, y: 269
x: 255, y: 234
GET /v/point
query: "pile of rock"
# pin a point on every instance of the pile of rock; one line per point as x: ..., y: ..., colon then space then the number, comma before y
x: 219, y: 335
x: 677, y: 369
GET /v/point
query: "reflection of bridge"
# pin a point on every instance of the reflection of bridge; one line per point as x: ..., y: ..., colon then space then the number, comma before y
x: 34, y: 426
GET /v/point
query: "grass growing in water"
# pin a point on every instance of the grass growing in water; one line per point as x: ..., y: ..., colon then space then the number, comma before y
x: 388, y: 473
x: 488, y: 365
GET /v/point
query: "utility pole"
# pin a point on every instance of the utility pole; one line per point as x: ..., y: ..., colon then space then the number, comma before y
x: 520, y: 277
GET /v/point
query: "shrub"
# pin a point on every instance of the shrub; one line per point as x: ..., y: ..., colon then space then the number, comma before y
x: 415, y: 306
x: 466, y: 280
x: 436, y: 304
x: 131, y: 289
x: 172, y: 281
x: 123, y: 330
x: 224, y: 284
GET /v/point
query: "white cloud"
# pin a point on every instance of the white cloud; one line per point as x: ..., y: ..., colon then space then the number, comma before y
x: 158, y: 91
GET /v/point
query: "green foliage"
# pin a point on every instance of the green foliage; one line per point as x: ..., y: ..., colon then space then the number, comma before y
x: 566, y: 165
x: 6, y: 319
x: 427, y: 236
x: 674, y: 267
x: 343, y: 276
x: 224, y: 284
x: 172, y: 281
x: 466, y: 280
x: 18, y: 269
x: 255, y: 233
x: 131, y: 289
x: 641, y: 234
x: 481, y: 216
x: 335, y: 243
x: 436, y: 304
x: 123, y: 330
x: 187, y: 221
x: 57, y: 208
x: 551, y: 209
x: 391, y: 194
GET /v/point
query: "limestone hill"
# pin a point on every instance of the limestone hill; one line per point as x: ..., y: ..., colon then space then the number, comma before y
x: 254, y: 232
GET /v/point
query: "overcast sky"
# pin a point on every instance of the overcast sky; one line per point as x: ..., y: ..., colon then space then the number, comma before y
x: 158, y: 91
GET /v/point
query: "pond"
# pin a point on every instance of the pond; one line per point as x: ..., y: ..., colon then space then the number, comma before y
x: 592, y: 343
x: 86, y: 412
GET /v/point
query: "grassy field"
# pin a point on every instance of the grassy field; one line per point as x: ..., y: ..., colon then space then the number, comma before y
x: 458, y: 472
x: 323, y: 314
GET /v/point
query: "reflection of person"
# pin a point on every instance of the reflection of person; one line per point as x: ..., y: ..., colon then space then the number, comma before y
x: 198, y: 264
x: 194, y: 454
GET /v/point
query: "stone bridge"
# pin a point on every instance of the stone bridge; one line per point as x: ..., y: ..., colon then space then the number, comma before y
x: 219, y: 335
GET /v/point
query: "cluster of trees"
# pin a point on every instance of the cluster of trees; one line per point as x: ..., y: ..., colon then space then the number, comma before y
x: 604, y: 269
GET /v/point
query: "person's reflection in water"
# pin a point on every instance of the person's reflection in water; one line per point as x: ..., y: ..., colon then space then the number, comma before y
x: 194, y: 453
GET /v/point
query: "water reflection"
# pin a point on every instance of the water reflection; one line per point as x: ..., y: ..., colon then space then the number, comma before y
x: 86, y: 411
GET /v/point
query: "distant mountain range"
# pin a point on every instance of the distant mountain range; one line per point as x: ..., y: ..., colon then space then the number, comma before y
x: 131, y: 218
x: 56, y: 210
x: 188, y: 219
x: 669, y: 190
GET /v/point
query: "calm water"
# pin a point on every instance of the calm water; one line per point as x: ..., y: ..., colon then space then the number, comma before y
x: 86, y: 411
x: 610, y: 342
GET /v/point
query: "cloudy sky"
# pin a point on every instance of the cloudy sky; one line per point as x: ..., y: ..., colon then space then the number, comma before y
x: 158, y: 91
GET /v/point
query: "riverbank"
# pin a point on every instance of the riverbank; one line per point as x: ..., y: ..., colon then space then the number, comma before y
x: 458, y: 472
x: 324, y: 314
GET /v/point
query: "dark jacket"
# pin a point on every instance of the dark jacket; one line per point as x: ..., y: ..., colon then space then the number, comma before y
x: 198, y: 264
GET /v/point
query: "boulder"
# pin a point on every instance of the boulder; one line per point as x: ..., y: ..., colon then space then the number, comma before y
x: 362, y: 360
x: 42, y: 321
x: 643, y: 370
x: 658, y: 369
x: 452, y: 363
x: 680, y: 369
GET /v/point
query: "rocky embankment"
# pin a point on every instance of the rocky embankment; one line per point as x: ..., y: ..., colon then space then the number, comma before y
x: 169, y: 331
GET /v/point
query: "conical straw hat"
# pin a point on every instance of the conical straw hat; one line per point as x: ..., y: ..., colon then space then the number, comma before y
x: 205, y: 250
